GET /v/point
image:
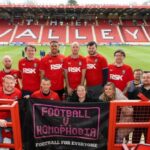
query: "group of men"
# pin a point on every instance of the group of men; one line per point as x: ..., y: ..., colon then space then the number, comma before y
x: 68, y: 71
x: 48, y: 77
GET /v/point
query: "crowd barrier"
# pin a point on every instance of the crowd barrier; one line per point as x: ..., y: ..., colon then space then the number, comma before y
x: 140, y: 125
x: 12, y: 106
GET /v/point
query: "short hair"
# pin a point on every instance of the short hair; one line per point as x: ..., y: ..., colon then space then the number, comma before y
x: 6, y: 57
x: 54, y: 42
x: 75, y: 43
x: 91, y: 43
x: 45, y: 79
x: 120, y: 51
x: 146, y: 71
x: 135, y: 70
x: 8, y: 76
x: 32, y: 46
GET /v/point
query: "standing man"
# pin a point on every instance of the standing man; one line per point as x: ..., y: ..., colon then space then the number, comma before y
x: 97, y: 71
x: 51, y: 68
x: 7, y: 70
x: 74, y: 68
x: 29, y: 70
x: 119, y: 73
x: 7, y: 91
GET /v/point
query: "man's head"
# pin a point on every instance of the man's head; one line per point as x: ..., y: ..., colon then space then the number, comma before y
x: 92, y: 48
x: 146, y: 79
x: 54, y: 46
x: 45, y: 85
x: 9, y: 83
x: 7, y: 62
x: 137, y: 74
x: 75, y: 47
x: 119, y: 56
x: 30, y: 51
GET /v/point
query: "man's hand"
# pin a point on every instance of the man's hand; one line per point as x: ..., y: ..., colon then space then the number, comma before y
x: 3, y: 123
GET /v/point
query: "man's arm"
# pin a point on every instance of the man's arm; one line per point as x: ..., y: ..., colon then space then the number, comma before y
x: 83, y: 76
x: 105, y: 76
x: 69, y: 89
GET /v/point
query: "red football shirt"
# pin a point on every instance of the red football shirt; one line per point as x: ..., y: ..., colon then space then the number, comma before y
x: 51, y: 96
x: 52, y: 66
x: 14, y: 96
x: 13, y: 72
x: 6, y: 114
x: 30, y: 74
x: 95, y: 65
x: 120, y: 76
x: 74, y: 67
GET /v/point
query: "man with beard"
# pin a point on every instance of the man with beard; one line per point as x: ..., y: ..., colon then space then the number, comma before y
x: 74, y: 68
x: 51, y: 68
x: 7, y: 70
x: 142, y: 113
x: 97, y: 71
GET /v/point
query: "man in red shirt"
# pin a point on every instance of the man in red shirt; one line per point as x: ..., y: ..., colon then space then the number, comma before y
x: 51, y: 68
x: 45, y: 92
x: 7, y: 91
x: 29, y: 70
x: 119, y: 73
x: 97, y: 71
x: 74, y: 68
x: 7, y: 63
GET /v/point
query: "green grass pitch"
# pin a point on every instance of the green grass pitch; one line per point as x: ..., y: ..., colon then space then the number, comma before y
x: 137, y: 56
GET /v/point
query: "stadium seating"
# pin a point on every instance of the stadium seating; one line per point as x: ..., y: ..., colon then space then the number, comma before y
x: 133, y: 34
x: 54, y: 33
x: 102, y: 31
x: 6, y: 31
x: 106, y: 33
x: 27, y: 34
x: 81, y: 34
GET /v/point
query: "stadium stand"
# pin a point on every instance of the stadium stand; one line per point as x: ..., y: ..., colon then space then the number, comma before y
x: 104, y: 24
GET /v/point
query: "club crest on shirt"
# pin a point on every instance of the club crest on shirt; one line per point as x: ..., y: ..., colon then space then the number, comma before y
x: 96, y: 60
x: 35, y: 65
x: 15, y: 75
x: 80, y: 63
x: 123, y: 71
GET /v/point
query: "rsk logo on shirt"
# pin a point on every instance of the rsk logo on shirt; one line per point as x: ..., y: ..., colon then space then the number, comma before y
x: 91, y: 66
x: 74, y: 69
x: 116, y: 77
x: 55, y: 66
x: 29, y: 70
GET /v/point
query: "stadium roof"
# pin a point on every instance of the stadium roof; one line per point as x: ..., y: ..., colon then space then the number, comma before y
x: 77, y: 11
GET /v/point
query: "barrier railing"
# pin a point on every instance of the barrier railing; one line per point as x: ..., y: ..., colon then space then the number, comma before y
x: 140, y: 124
x: 12, y: 106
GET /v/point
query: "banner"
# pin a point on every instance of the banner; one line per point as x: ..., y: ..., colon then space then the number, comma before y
x: 52, y: 125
